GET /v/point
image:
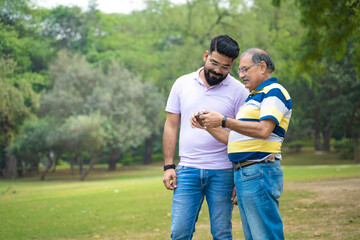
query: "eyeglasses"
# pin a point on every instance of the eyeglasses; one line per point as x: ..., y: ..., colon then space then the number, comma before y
x: 223, y: 68
x: 244, y: 69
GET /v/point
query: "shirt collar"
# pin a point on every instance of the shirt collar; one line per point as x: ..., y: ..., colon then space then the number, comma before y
x: 266, y: 83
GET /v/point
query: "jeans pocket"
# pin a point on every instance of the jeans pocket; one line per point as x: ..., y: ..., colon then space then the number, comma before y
x: 276, y: 182
x: 251, y: 172
x: 179, y: 169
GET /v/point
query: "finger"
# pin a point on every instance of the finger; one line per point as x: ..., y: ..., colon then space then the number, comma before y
x: 166, y: 184
x: 233, y: 197
x: 174, y: 182
x: 166, y: 180
x: 192, y: 121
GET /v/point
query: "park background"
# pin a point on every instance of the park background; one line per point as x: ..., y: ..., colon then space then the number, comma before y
x: 82, y: 110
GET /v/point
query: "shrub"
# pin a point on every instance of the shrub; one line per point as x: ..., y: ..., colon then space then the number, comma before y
x: 344, y: 147
x: 295, y: 146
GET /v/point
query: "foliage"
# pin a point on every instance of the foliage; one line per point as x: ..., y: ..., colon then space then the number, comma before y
x: 18, y: 102
x: 295, y: 146
x: 79, y: 66
x: 345, y: 148
x: 126, y: 108
x: 330, y: 36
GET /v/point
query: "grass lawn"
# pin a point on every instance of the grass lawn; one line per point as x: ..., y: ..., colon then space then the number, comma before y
x: 319, y: 202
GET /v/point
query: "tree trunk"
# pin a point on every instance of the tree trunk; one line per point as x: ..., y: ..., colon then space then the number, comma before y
x: 56, y: 161
x: 356, y: 148
x: 91, y: 166
x: 112, y: 164
x: 21, y: 169
x: 11, y: 167
x: 326, y: 137
x: 149, y: 143
x: 114, y: 157
x: 80, y: 162
x: 2, y: 161
x: 317, y: 137
x: 51, y: 163
x: 72, y: 163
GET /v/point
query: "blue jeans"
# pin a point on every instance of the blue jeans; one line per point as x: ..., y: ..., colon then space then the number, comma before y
x: 258, y: 188
x: 192, y: 185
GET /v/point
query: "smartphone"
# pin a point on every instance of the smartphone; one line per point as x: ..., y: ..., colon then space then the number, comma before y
x: 197, y: 116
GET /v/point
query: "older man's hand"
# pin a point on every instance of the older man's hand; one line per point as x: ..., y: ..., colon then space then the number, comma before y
x: 211, y: 119
x: 195, y: 120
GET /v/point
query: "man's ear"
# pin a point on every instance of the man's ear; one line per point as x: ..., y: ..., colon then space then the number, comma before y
x: 263, y: 67
x: 206, y: 55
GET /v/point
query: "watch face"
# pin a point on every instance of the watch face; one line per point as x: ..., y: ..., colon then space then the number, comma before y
x: 223, y: 121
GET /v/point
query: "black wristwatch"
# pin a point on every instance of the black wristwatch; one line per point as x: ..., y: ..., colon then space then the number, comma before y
x: 223, y: 121
x: 171, y: 166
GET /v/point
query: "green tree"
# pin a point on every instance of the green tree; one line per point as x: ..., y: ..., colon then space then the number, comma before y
x: 72, y: 29
x: 120, y: 97
x: 18, y: 101
x: 85, y: 133
x: 36, y: 142
x: 21, y: 36
x: 331, y: 42
x: 346, y: 100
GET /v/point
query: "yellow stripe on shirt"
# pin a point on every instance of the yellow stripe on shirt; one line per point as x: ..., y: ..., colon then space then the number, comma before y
x: 254, y: 146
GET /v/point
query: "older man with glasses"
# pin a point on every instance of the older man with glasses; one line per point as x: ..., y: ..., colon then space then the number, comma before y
x: 254, y: 145
x: 204, y: 169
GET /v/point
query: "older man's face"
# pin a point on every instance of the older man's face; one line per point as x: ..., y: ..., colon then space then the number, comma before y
x: 249, y: 72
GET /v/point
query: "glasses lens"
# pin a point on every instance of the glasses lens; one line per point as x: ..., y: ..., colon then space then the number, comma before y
x: 225, y: 69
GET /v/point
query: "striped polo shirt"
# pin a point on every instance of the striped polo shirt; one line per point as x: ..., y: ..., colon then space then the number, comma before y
x: 269, y: 100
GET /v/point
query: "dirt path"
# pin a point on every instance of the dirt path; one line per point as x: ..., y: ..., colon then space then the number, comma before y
x: 326, y: 209
x: 313, y: 210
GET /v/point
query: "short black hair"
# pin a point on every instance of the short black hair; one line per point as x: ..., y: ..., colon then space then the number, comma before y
x: 259, y: 55
x: 225, y: 45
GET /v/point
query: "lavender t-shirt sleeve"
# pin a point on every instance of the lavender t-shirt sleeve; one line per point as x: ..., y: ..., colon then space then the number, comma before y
x: 173, y: 103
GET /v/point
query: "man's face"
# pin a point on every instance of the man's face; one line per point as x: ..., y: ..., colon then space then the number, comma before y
x: 249, y: 72
x: 216, y: 67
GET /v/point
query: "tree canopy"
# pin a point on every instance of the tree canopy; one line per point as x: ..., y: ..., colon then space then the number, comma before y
x: 86, y: 87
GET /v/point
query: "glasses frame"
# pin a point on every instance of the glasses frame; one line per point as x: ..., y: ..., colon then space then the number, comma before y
x: 244, y: 69
x: 223, y: 69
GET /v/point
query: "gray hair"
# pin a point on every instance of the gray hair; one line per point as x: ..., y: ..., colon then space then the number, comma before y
x: 259, y: 55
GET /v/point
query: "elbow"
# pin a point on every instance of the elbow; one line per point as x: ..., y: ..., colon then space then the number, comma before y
x: 265, y: 135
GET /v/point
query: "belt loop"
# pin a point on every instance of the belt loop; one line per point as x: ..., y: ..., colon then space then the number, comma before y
x: 236, y: 166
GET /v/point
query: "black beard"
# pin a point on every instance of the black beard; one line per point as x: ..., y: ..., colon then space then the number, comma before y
x: 212, y: 80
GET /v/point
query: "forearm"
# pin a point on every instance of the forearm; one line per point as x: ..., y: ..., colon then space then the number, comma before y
x: 261, y: 129
x: 169, y: 144
x: 220, y: 134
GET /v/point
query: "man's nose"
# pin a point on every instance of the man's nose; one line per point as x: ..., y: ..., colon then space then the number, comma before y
x: 217, y: 69
x: 241, y: 75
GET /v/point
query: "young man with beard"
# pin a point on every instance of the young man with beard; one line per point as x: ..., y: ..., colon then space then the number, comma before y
x: 204, y: 169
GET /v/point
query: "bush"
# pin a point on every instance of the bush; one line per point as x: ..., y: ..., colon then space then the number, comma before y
x: 344, y: 147
x: 157, y: 157
x: 295, y: 146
